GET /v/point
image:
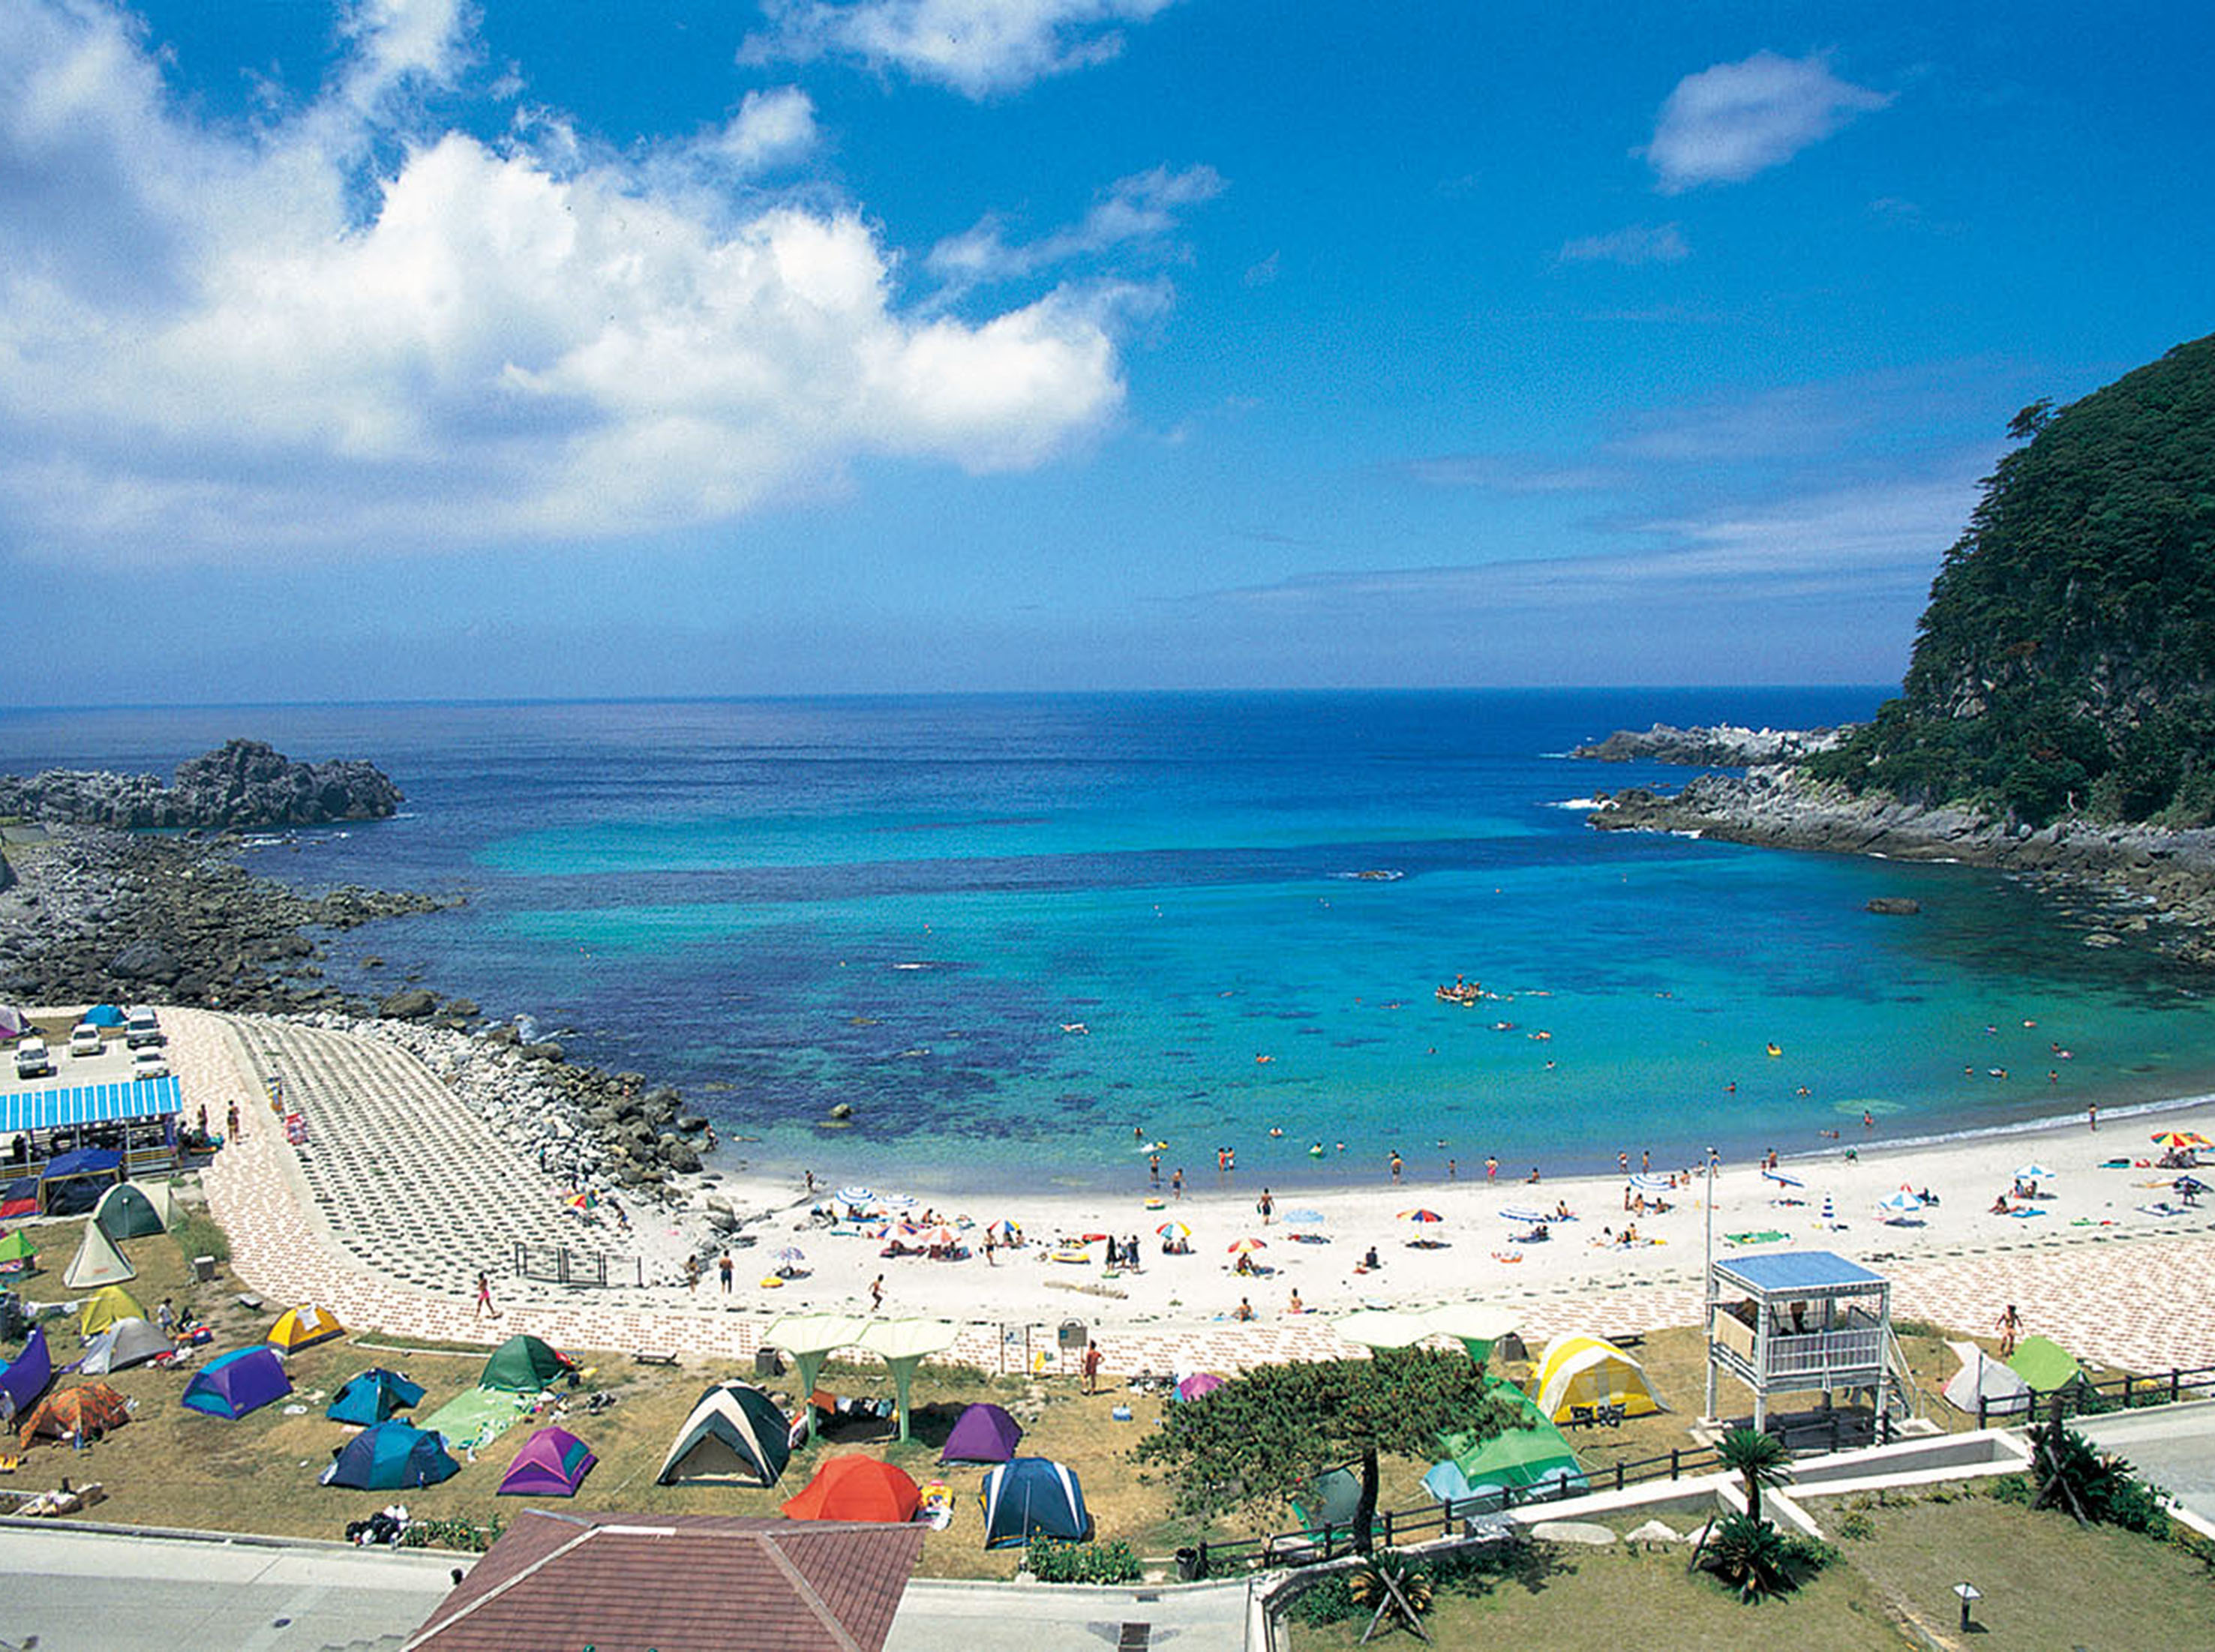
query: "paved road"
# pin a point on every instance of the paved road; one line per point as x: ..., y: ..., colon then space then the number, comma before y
x: 99, y: 1592
x: 2173, y: 1446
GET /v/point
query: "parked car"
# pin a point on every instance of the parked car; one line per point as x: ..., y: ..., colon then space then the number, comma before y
x: 33, y: 1058
x: 149, y: 1064
x: 84, y: 1040
x: 142, y: 1027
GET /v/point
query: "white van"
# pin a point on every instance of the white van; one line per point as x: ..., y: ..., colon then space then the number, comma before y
x: 33, y: 1058
x: 84, y: 1040
x: 142, y: 1027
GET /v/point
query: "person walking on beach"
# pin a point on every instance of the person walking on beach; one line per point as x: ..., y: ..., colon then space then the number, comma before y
x: 1092, y: 1368
x: 484, y: 1299
x: 231, y: 1130
x: 723, y: 1267
x: 2010, y: 1327
x: 876, y: 1292
x: 1266, y: 1206
x: 2092, y: 1115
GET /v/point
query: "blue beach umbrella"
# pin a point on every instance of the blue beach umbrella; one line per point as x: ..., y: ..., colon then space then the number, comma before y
x: 1782, y: 1179
x: 2033, y: 1172
x: 1647, y: 1182
x: 1523, y: 1212
x: 855, y: 1196
x: 1303, y: 1218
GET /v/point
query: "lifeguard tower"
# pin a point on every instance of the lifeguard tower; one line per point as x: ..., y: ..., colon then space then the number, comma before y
x: 1796, y: 1321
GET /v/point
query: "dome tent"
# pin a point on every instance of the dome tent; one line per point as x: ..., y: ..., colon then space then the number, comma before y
x: 127, y: 1210
x: 26, y: 1377
x: 303, y: 1327
x: 983, y: 1434
x: 372, y: 1396
x: 92, y: 1408
x: 390, y: 1456
x: 735, y: 1433
x: 104, y: 1307
x: 523, y: 1364
x: 857, y: 1488
x: 124, y: 1344
x: 553, y: 1463
x: 238, y: 1383
x: 97, y: 1261
x: 1033, y: 1497
x: 1587, y: 1370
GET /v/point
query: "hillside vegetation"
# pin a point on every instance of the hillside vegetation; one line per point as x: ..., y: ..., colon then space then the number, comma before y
x: 2066, y: 663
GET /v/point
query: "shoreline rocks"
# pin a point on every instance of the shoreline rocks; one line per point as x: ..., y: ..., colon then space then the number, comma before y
x: 243, y: 784
x: 1723, y: 745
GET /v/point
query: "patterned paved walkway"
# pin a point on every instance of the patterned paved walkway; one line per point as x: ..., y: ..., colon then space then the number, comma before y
x: 403, y: 1196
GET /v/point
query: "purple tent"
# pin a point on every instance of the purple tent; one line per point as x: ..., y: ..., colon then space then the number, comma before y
x: 553, y: 1463
x: 1199, y: 1385
x: 983, y: 1434
x: 26, y: 1378
x: 238, y: 1383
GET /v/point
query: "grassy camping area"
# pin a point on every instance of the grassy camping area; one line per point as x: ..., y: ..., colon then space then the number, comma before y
x: 175, y: 1467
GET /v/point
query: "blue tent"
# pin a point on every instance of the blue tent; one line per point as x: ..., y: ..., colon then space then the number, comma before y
x: 238, y: 1383
x: 104, y: 1015
x: 1033, y: 1498
x: 25, y: 1377
x: 392, y: 1455
x: 373, y: 1396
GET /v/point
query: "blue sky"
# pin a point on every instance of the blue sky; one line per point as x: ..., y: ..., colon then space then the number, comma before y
x: 407, y: 349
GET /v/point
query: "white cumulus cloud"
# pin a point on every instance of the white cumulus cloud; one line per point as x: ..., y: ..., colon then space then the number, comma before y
x: 1729, y: 122
x: 1138, y: 211
x: 1638, y: 243
x: 976, y: 47
x: 221, y: 341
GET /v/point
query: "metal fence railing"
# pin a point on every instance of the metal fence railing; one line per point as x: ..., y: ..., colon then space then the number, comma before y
x: 2085, y: 1398
x: 559, y: 1266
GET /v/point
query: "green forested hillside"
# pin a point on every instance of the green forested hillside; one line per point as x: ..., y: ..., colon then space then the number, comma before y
x: 2066, y: 662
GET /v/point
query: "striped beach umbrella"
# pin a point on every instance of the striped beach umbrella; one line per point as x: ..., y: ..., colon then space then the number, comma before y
x: 2033, y: 1172
x: 1420, y: 1217
x: 1524, y: 1213
x: 1305, y: 1218
x: 1242, y: 1246
x: 856, y: 1196
x: 1898, y: 1206
x: 2181, y: 1138
x: 1782, y: 1179
x: 791, y: 1255
x: 1647, y: 1182
x: 1173, y: 1230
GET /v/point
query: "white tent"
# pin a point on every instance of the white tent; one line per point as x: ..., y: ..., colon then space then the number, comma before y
x: 1981, y: 1376
x: 97, y: 1261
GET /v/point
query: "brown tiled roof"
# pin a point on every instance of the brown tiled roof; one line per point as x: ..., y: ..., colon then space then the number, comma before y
x: 560, y: 1582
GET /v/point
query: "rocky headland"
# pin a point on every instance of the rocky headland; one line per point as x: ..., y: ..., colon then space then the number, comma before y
x: 2145, y: 878
x: 243, y: 784
x: 1723, y: 745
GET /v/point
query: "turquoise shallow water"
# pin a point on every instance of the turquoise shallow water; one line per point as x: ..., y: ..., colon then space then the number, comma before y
x: 1010, y: 931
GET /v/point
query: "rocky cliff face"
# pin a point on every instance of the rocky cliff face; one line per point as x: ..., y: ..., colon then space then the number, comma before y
x: 1725, y: 745
x: 244, y: 784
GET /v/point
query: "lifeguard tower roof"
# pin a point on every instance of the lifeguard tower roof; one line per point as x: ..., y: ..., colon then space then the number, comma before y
x: 1781, y: 1272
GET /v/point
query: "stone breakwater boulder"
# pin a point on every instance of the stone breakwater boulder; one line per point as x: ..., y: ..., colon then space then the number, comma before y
x: 242, y: 784
x: 1724, y: 745
x: 1777, y: 806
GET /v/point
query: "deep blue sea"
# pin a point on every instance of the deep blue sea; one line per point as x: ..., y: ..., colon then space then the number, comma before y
x: 1019, y: 935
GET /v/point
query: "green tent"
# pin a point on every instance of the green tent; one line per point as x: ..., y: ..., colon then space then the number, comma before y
x: 126, y: 1211
x: 1332, y: 1498
x: 2045, y: 1365
x: 16, y: 1254
x: 1515, y: 1456
x: 523, y: 1364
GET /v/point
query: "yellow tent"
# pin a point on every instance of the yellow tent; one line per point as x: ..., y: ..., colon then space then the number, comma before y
x: 104, y: 1307
x: 303, y: 1327
x: 1585, y: 1371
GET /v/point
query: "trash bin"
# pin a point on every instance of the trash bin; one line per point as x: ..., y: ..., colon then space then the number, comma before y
x: 1190, y: 1567
x: 203, y: 1269
x: 767, y: 1363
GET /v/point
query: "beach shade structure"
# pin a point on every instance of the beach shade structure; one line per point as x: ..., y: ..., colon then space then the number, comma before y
x: 91, y: 1408
x: 904, y: 1344
x: 1333, y: 1498
x: 1474, y: 1324
x: 811, y: 1339
x: 1779, y: 1178
x: 733, y: 1436
x: 26, y: 1377
x: 790, y: 1255
x: 2191, y: 1139
x: 1239, y: 1247
x: 1304, y: 1218
x: 1384, y: 1328
x: 1420, y: 1217
x: 855, y: 1197
x: 1199, y: 1385
x: 1033, y: 1497
x: 391, y: 1456
x: 104, y: 1307
x: 97, y: 1261
x: 855, y: 1489
x: 2033, y: 1172
x: 1173, y: 1230
x: 1524, y: 1216
x: 1985, y: 1380
x: 1588, y: 1372
x: 982, y: 1434
x: 1899, y: 1207
x: 17, y: 1254
x: 303, y: 1327
x: 2046, y: 1365
x: 553, y: 1463
x: 523, y: 1364
x: 1646, y: 1182
x: 1005, y: 1232
x: 238, y: 1383
x: 130, y: 1211
x: 372, y: 1396
x: 124, y: 1344
x: 73, y: 1182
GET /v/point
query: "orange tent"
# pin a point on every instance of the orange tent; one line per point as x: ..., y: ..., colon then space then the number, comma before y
x: 94, y: 1407
x: 855, y: 1489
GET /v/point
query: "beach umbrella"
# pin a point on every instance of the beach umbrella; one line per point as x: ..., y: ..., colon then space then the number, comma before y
x: 1198, y: 1385
x: 1305, y: 1218
x: 904, y: 1344
x: 2181, y: 1138
x: 1004, y: 1230
x: 810, y: 1338
x: 901, y: 1201
x: 1173, y: 1230
x: 1900, y: 1204
x: 941, y: 1238
x: 855, y: 1196
x: 1241, y: 1246
x: 1420, y: 1217
x: 1524, y: 1213
x: 1647, y: 1182
x: 2188, y: 1184
x: 1384, y: 1328
x: 2033, y: 1173
x: 1782, y: 1179
x: 791, y: 1255
x: 1475, y: 1325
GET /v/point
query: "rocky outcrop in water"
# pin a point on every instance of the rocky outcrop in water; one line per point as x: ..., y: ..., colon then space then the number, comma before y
x: 1724, y: 745
x: 242, y: 784
x: 2158, y: 878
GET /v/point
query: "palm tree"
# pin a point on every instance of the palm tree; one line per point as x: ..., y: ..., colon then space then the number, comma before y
x: 1759, y: 1458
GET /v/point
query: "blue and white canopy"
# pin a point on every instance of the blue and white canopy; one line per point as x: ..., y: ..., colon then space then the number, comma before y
x: 89, y: 1103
